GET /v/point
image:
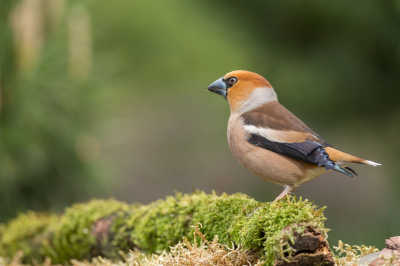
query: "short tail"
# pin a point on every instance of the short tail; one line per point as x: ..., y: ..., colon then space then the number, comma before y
x: 339, y: 157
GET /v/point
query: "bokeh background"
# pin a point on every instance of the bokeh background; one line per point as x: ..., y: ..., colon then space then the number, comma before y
x: 107, y: 99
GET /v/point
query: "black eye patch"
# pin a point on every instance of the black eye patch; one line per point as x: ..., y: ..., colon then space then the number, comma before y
x: 230, y: 81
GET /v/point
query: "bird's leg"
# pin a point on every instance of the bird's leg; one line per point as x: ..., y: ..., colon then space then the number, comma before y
x: 287, y: 191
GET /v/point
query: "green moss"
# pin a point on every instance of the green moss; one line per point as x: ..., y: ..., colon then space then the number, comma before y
x: 163, y: 223
x: 264, y: 228
x: 71, y: 237
x: 218, y: 213
x: 24, y: 233
x: 155, y: 227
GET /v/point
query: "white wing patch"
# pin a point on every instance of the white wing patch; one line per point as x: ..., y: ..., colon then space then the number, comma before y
x: 267, y: 133
x: 270, y: 134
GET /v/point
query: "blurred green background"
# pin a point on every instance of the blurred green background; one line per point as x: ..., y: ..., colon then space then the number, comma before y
x: 107, y: 98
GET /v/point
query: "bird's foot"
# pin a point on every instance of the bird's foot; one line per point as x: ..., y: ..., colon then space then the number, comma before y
x: 286, y: 192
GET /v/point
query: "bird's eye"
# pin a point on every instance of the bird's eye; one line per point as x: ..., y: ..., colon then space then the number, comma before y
x: 232, y: 80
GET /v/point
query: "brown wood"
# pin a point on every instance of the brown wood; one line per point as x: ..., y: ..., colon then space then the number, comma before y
x: 311, y: 248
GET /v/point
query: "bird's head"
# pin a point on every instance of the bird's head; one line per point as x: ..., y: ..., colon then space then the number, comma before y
x: 244, y: 90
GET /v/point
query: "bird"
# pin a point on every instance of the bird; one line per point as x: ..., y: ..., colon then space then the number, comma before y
x: 271, y: 142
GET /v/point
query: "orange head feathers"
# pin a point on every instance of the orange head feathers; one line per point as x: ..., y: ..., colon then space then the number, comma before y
x: 243, y: 89
x: 248, y: 79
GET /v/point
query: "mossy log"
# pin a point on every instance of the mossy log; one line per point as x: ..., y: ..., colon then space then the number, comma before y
x: 288, y: 232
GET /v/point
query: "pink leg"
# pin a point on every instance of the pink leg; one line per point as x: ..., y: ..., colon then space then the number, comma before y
x: 288, y: 189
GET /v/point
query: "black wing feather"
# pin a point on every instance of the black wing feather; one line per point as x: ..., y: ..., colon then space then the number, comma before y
x: 307, y: 151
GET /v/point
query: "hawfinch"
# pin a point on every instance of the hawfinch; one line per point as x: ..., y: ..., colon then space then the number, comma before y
x: 271, y: 142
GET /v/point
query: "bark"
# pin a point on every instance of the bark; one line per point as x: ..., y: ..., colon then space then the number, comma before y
x: 310, y: 248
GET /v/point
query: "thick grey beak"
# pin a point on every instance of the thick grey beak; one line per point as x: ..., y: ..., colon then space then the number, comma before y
x: 218, y: 87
